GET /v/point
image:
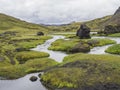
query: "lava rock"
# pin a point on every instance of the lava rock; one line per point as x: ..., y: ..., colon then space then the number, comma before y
x: 93, y: 42
x: 33, y: 78
x: 40, y: 33
x: 83, y: 32
x: 81, y: 47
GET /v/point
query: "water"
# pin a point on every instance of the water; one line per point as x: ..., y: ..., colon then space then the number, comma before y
x: 25, y: 84
x: 56, y: 55
x: 22, y: 84
x: 101, y: 50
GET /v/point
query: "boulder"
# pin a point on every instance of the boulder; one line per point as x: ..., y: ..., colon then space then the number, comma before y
x: 33, y: 78
x: 83, y: 32
x: 81, y: 47
x: 93, y: 42
x: 40, y: 33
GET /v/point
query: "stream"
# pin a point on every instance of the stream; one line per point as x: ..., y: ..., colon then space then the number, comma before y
x: 25, y: 84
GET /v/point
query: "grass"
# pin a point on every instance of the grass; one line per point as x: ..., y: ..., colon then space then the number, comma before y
x: 33, y: 65
x: 114, y: 49
x: 115, y: 35
x: 24, y: 56
x: 83, y: 70
x: 63, y: 45
x: 95, y: 25
x: 31, y: 42
x: 66, y: 45
x: 101, y: 42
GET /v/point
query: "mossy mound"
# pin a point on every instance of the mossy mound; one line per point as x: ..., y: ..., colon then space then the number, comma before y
x: 114, y: 49
x: 67, y: 45
x: 22, y: 57
x: 80, y: 71
x: 33, y: 65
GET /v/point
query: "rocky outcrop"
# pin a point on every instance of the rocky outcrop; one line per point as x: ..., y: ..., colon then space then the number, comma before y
x: 111, y: 29
x: 40, y: 33
x: 83, y: 32
x: 81, y: 47
x: 33, y: 78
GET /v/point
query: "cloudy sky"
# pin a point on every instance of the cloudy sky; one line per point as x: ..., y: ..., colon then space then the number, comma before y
x: 58, y: 11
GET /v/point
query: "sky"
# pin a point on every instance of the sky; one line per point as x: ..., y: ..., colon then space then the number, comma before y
x: 58, y: 11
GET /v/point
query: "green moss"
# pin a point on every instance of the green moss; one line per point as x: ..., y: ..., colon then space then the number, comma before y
x: 84, y: 70
x: 66, y: 45
x: 101, y: 42
x: 34, y: 65
x: 114, y: 49
x: 31, y: 43
x: 26, y: 55
x: 115, y: 35
x: 63, y: 45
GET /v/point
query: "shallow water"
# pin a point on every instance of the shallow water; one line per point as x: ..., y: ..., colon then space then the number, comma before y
x: 56, y: 55
x: 22, y: 84
x: 25, y: 84
x: 101, y: 50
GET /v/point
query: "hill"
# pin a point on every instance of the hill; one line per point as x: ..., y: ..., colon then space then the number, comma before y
x: 115, y: 19
x: 93, y: 24
x: 9, y: 23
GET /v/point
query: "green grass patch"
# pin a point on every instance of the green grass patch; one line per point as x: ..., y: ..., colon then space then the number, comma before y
x: 32, y: 42
x: 100, y: 42
x: 115, y: 35
x: 84, y: 70
x: 33, y: 65
x: 26, y: 55
x: 66, y: 45
x: 63, y: 45
x: 114, y: 49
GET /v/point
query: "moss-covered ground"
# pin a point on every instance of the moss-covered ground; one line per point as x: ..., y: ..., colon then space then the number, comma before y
x: 66, y: 45
x: 84, y: 70
x: 114, y: 49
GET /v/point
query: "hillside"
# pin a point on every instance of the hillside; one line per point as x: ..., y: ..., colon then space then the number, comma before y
x: 13, y: 24
x: 93, y: 24
x: 115, y: 19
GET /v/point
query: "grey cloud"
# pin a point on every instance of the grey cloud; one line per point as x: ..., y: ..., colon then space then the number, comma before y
x: 58, y: 11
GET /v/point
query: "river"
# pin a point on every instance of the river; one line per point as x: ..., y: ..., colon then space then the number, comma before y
x: 25, y: 84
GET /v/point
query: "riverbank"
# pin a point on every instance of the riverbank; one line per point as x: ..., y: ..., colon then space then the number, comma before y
x: 76, y: 64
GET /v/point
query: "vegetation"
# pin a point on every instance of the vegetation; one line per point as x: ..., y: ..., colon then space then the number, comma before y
x: 66, y: 45
x: 9, y: 23
x: 31, y: 42
x: 115, y: 35
x: 114, y: 49
x: 26, y: 55
x: 83, y: 70
x: 63, y: 45
x: 95, y: 25
x: 33, y: 65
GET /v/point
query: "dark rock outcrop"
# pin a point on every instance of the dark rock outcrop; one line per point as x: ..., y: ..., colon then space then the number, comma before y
x: 110, y: 29
x: 83, y: 32
x: 81, y: 47
x: 40, y: 33
x: 33, y: 78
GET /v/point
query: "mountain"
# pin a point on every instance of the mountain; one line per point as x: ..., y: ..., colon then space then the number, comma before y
x: 10, y: 23
x: 93, y: 24
x: 115, y: 19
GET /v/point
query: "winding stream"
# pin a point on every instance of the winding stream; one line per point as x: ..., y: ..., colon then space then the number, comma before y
x: 25, y: 84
